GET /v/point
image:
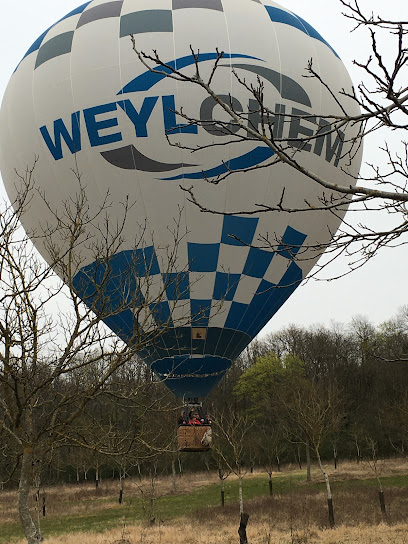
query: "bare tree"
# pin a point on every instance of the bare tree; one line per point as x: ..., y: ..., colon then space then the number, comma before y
x: 313, y: 413
x: 231, y: 433
x: 382, y: 97
x: 57, y: 363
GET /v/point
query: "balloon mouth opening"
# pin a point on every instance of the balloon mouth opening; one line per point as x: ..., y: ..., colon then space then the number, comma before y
x: 191, y: 375
x: 191, y: 366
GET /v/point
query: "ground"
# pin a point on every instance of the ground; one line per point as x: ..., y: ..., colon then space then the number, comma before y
x: 154, y: 513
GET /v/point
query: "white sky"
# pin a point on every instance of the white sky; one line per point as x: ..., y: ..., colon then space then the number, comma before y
x: 376, y: 289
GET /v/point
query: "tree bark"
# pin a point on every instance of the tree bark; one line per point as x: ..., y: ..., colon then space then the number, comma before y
x: 331, y: 512
x: 31, y: 532
x: 121, y: 488
x: 299, y: 458
x: 173, y: 474
x: 382, y: 504
x: 308, y: 463
x: 328, y: 488
x: 241, y: 499
x: 335, y: 456
x: 242, y: 528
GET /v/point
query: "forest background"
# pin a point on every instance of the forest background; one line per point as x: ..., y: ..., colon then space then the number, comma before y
x: 338, y: 391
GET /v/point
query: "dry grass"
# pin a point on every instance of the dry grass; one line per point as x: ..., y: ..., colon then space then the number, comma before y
x: 185, y: 532
x: 85, y: 498
x: 295, y: 517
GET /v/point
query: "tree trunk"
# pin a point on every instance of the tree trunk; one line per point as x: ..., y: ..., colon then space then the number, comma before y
x: 270, y: 485
x: 241, y: 498
x: 358, y: 452
x: 328, y: 488
x: 30, y: 530
x: 222, y: 493
x: 299, y: 458
x: 242, y: 528
x: 308, y: 463
x: 173, y: 474
x: 121, y: 488
x: 331, y: 512
x: 382, y: 504
x: 152, y: 519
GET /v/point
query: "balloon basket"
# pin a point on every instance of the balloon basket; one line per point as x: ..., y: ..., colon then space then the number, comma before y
x: 194, y: 438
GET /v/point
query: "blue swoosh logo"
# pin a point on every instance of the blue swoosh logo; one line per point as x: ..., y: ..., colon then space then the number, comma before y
x: 150, y: 78
x: 250, y: 159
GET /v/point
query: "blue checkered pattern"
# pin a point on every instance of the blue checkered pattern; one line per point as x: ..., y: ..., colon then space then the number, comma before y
x: 142, y: 21
x: 245, y: 298
x: 119, y: 284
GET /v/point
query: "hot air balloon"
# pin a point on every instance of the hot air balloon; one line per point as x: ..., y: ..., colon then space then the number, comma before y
x: 81, y: 99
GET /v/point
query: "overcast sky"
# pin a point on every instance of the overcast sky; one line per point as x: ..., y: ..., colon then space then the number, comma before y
x: 377, y: 290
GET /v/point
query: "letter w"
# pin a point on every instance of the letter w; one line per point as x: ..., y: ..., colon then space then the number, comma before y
x: 72, y: 140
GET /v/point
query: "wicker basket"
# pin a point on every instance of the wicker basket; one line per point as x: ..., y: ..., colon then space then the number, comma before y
x: 194, y: 437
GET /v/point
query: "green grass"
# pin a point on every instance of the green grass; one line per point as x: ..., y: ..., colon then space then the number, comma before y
x: 349, y: 485
x: 136, y: 510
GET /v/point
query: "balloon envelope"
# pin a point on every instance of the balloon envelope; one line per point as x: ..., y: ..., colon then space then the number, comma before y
x: 81, y: 100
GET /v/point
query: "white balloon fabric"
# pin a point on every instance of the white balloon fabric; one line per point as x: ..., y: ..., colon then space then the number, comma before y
x: 81, y: 100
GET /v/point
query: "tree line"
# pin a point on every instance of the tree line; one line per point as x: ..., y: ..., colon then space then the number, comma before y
x: 326, y: 392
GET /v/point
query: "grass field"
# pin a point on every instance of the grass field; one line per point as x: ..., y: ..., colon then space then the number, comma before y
x: 296, y: 514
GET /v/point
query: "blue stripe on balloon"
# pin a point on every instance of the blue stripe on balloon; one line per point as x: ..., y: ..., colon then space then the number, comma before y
x: 37, y: 44
x: 75, y: 11
x: 292, y: 241
x: 200, y: 312
x: 248, y: 160
x: 149, y: 79
x: 161, y: 313
x: 275, y: 297
x: 257, y: 262
x: 280, y: 16
x: 238, y: 230
x: 177, y: 285
x: 203, y: 257
x: 225, y: 285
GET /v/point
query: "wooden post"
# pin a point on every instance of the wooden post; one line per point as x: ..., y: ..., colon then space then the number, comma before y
x: 242, y: 528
